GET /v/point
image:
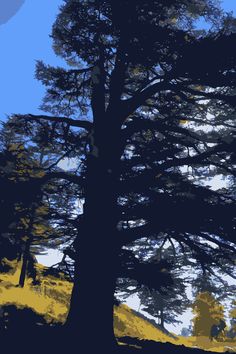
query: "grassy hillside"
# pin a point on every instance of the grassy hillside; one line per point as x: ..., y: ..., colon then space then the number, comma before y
x: 51, y: 299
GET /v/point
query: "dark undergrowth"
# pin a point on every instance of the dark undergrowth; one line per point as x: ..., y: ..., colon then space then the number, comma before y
x: 23, y: 331
x: 56, y: 340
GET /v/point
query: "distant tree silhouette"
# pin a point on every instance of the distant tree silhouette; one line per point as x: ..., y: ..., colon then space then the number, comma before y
x: 31, y: 219
x: 147, y: 105
x: 166, y: 301
x: 13, y: 193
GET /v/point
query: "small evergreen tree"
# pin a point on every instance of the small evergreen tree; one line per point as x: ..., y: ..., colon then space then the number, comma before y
x: 208, y: 311
x: 165, y: 305
x: 232, y: 314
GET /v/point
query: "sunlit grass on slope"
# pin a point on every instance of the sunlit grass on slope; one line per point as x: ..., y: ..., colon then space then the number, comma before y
x: 51, y: 300
x: 127, y: 323
x: 206, y: 344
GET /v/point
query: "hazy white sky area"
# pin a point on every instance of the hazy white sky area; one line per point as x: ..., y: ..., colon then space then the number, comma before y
x: 68, y: 164
x: 50, y: 258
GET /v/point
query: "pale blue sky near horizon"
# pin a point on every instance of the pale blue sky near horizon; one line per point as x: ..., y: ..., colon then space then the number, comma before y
x: 25, y: 26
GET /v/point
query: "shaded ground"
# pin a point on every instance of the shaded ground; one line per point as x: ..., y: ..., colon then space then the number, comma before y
x: 57, y: 341
x: 23, y: 325
x: 31, y: 318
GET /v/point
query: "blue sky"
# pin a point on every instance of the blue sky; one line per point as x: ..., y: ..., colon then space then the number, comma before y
x: 8, y: 9
x: 229, y: 5
x: 24, y: 39
x: 25, y: 26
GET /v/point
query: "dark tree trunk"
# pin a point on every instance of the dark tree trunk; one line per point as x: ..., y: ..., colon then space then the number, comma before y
x: 25, y: 258
x: 162, y: 319
x: 90, y: 316
x: 26, y: 252
x: 19, y: 256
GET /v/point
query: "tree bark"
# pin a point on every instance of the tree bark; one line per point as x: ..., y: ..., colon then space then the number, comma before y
x: 26, y: 253
x: 162, y: 319
x: 91, y: 310
x: 25, y: 257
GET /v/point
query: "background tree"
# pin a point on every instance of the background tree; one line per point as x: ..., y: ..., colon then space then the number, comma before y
x: 32, y: 220
x: 232, y: 314
x: 14, y: 198
x: 166, y: 301
x: 168, y: 305
x: 208, y: 311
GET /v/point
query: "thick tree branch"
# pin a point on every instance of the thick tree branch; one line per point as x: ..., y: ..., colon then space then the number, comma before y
x: 118, y: 74
x: 72, y: 122
x: 131, y: 234
x: 198, y: 158
x: 131, y: 105
x: 98, y: 87
x: 229, y: 99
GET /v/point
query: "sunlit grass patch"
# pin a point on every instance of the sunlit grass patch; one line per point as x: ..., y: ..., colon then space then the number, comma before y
x: 51, y: 298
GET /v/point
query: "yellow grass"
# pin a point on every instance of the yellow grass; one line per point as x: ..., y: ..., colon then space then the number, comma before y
x: 51, y: 299
x: 127, y: 323
x: 206, y: 344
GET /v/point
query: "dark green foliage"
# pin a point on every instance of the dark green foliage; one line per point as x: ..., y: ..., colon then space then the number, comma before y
x: 11, y: 318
